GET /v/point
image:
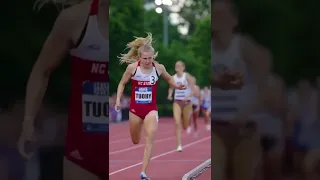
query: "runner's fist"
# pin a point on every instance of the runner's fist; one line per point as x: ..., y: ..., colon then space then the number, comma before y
x: 26, y: 138
x: 181, y: 87
x: 117, y: 106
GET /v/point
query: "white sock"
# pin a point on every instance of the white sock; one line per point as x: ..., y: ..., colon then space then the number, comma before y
x: 143, y: 174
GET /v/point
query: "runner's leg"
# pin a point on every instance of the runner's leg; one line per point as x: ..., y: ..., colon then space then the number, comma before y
x: 150, y: 125
x: 247, y: 158
x: 186, y: 115
x: 177, y: 119
x: 219, y: 159
x: 135, y: 123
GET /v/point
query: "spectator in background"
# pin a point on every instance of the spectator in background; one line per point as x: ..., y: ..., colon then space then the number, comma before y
x: 118, y: 116
x: 11, y: 164
x: 53, y: 125
x: 306, y: 131
x: 112, y: 112
x: 46, y: 163
x: 125, y: 102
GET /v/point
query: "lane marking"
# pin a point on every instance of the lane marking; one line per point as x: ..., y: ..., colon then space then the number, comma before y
x: 171, y: 160
x: 142, y: 145
x: 129, y: 139
x: 138, y: 146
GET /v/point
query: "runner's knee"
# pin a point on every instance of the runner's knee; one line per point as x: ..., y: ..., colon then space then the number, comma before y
x: 135, y: 138
x: 150, y: 131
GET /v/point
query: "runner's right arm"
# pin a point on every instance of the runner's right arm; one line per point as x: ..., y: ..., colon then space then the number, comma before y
x: 170, y: 92
x: 53, y: 52
x: 124, y: 80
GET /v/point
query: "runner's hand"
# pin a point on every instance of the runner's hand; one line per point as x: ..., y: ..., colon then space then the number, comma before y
x: 27, y: 137
x: 181, y: 87
x: 169, y: 98
x: 117, y: 106
x: 186, y: 99
x: 236, y: 79
x: 236, y: 84
x: 233, y: 75
x: 228, y: 80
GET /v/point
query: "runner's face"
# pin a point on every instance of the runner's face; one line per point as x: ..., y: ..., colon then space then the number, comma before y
x: 146, y: 59
x: 222, y: 18
x: 179, y: 67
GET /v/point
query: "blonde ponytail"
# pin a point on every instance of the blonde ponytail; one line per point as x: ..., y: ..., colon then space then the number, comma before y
x: 136, y: 47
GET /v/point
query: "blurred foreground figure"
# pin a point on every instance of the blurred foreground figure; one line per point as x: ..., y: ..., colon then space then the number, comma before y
x: 240, y: 60
x: 80, y: 31
x: 306, y: 130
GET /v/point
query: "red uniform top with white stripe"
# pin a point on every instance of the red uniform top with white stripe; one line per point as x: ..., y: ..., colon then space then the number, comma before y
x: 144, y: 92
x: 88, y: 126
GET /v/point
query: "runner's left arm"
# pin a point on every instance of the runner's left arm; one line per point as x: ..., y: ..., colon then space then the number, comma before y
x: 165, y: 75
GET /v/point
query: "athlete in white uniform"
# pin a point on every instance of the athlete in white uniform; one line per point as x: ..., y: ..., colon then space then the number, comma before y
x: 182, y: 107
x: 205, y: 95
x: 226, y: 80
x: 236, y: 53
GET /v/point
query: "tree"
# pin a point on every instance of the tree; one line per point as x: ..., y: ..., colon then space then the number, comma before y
x: 126, y: 21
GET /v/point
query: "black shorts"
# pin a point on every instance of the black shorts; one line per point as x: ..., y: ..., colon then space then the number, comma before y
x: 194, y: 106
x: 268, y: 143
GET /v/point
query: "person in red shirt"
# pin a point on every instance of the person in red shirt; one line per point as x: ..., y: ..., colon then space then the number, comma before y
x: 80, y: 31
x: 144, y: 74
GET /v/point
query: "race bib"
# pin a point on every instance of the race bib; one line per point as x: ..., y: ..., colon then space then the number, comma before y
x: 95, y: 107
x: 180, y: 93
x: 143, y: 95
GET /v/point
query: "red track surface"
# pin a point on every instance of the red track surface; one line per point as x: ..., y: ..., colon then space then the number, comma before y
x: 166, y: 164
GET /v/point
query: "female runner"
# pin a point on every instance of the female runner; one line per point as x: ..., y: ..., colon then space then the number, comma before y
x: 236, y: 53
x: 182, y: 107
x: 195, y: 100
x: 206, y: 106
x: 144, y: 73
x: 83, y: 25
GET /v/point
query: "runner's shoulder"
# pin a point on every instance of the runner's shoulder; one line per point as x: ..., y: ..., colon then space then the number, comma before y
x: 74, y: 15
x: 159, y: 66
x: 132, y: 67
